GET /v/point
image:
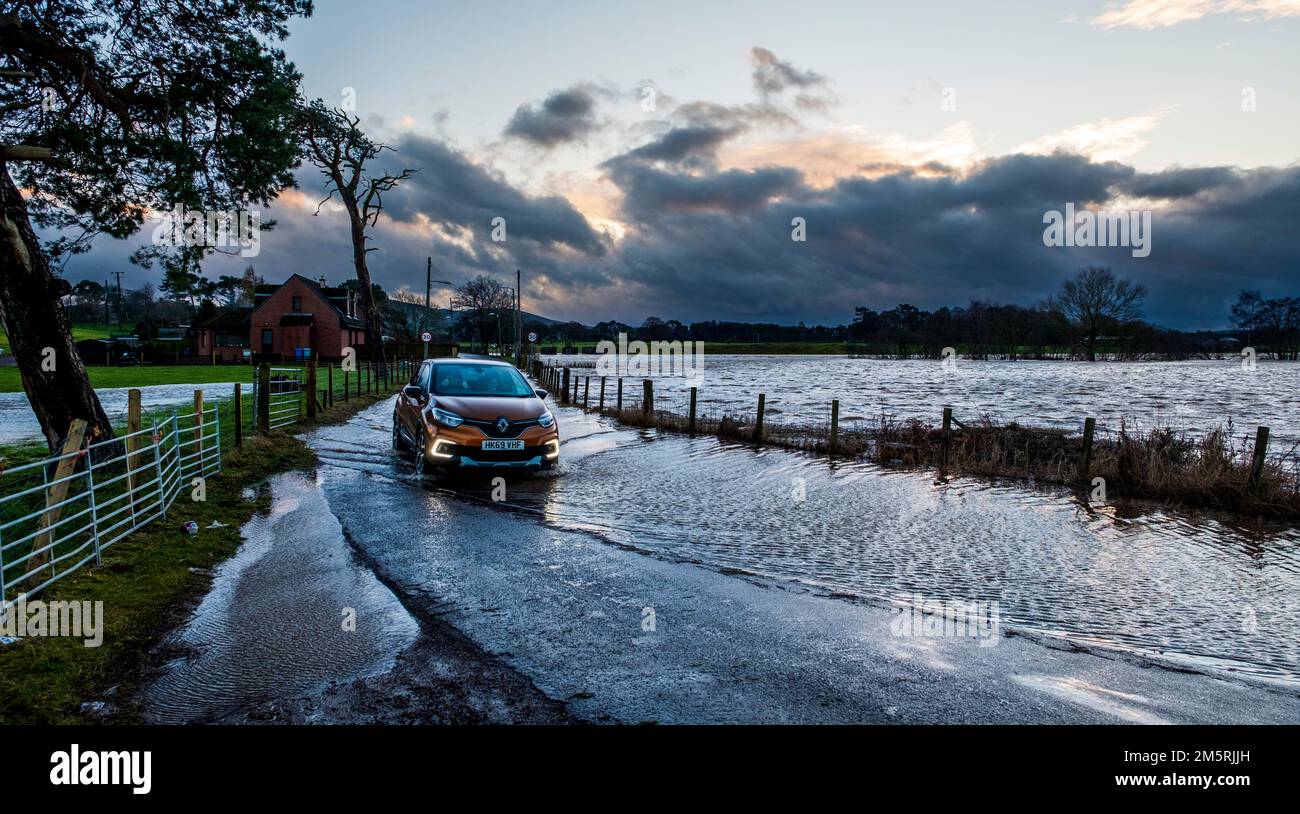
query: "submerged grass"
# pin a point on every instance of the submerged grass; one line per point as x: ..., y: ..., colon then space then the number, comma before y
x: 147, y: 582
x: 1203, y: 471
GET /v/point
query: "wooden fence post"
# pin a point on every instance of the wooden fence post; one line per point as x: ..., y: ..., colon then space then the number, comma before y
x: 1261, y: 449
x: 835, y: 423
x: 758, y: 422
x: 690, y: 422
x: 602, y: 394
x: 1085, y: 455
x: 586, y: 390
x: 55, y: 495
x: 311, y: 389
x: 564, y: 389
x: 264, y: 398
x: 620, y: 394
x: 198, y: 426
x: 947, y: 441
x: 648, y: 397
x: 239, y: 415
x: 132, y: 442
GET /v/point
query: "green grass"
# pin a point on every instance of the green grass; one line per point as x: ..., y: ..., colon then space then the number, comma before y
x: 147, y: 582
x: 79, y: 332
x: 142, y: 583
x: 145, y: 375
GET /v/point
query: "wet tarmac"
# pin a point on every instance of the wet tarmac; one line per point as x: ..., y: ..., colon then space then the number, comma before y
x: 678, y: 580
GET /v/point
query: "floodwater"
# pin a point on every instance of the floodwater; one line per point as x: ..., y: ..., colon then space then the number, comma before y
x: 1193, y: 395
x: 704, y: 530
x: 273, y: 625
x: 18, y: 422
x: 1193, y: 591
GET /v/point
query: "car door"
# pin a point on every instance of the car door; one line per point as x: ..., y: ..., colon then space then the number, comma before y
x: 409, y: 409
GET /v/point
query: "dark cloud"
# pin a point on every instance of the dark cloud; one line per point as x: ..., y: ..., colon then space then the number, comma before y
x: 682, y: 144
x: 772, y: 75
x: 564, y: 117
x: 711, y: 243
x: 1179, y: 182
x: 452, y: 190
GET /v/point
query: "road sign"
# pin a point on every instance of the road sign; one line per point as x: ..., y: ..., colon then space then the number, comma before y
x: 426, y: 337
x: 532, y: 336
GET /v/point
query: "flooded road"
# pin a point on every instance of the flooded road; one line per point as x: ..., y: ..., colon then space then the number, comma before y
x: 683, y: 580
x: 273, y: 624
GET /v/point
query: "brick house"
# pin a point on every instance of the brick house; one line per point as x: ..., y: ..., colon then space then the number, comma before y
x: 297, y: 320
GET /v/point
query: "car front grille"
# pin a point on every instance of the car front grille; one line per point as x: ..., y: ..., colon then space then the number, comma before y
x: 489, y: 428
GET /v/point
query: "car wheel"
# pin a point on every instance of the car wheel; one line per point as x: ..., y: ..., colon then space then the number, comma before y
x: 422, y: 468
x: 397, y: 434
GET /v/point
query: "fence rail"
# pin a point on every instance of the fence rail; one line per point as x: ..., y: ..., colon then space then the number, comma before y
x: 60, y: 513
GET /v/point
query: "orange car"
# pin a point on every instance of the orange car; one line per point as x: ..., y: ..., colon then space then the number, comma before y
x: 466, y: 413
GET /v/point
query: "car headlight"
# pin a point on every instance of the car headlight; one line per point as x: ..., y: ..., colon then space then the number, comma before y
x: 546, y: 419
x: 447, y: 418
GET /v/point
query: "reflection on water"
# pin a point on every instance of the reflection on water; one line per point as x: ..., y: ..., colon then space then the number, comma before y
x: 1196, y: 395
x: 1190, y: 589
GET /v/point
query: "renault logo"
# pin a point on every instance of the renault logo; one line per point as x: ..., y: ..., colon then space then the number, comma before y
x: 503, y: 424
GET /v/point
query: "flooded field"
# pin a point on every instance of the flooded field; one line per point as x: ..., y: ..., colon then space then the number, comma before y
x: 1187, y: 590
x: 1194, y: 395
x: 18, y: 423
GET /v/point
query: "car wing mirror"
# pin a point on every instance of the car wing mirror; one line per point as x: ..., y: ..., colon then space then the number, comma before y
x: 541, y: 394
x: 414, y: 391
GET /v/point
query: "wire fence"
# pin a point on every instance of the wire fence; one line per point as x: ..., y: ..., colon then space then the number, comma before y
x: 60, y: 513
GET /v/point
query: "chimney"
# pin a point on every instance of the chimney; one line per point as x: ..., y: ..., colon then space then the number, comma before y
x: 322, y: 281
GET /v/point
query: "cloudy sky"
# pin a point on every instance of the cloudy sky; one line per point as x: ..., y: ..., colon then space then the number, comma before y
x: 649, y: 158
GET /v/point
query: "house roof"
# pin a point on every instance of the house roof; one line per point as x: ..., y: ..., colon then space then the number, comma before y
x: 327, y: 296
x: 230, y: 319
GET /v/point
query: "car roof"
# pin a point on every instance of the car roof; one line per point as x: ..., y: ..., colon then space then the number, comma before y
x: 450, y: 361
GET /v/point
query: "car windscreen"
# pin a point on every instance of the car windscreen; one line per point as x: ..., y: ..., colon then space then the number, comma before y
x: 468, y: 379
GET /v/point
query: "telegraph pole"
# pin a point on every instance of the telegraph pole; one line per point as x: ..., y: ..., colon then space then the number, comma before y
x: 428, y: 311
x: 428, y: 282
x: 118, y: 275
x: 518, y: 299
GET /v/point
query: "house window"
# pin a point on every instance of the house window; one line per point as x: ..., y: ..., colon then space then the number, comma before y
x: 297, y: 304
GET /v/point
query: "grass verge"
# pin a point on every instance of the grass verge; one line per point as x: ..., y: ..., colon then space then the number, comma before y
x: 147, y: 583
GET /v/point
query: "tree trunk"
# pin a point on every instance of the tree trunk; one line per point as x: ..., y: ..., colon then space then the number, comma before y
x: 35, y: 320
x: 374, y: 319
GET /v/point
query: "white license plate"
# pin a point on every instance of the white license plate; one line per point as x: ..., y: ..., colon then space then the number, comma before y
x: 516, y: 444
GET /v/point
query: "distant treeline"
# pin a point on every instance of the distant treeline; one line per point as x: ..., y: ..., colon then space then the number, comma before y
x: 1060, y: 328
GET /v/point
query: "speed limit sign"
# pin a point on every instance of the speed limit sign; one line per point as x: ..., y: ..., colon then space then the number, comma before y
x: 426, y: 337
x: 532, y: 336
